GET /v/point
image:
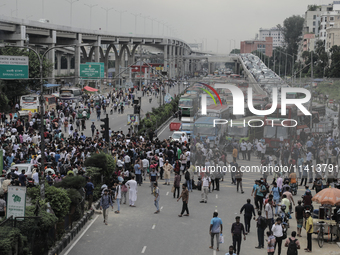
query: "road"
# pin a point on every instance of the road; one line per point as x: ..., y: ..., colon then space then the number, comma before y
x: 117, y: 121
x: 139, y: 231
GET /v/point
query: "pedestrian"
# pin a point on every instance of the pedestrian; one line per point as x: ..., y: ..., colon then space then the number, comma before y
x: 261, y: 224
x: 249, y: 149
x: 167, y: 170
x: 276, y: 192
x: 299, y: 210
x: 271, y: 242
x: 277, y: 230
x: 260, y: 190
x: 93, y: 128
x: 309, y: 230
x: 206, y: 182
x: 156, y: 194
x: 105, y: 203
x: 132, y: 185
x: 293, y: 244
x: 177, y: 183
x: 185, y: 199
x: 248, y: 212
x: 138, y: 173
x: 269, y: 213
x: 89, y: 187
x: 238, y: 176
x: 215, y: 230
x: 153, y: 178
x: 237, y: 229
x: 124, y: 191
x: 231, y: 251
x: 118, y: 196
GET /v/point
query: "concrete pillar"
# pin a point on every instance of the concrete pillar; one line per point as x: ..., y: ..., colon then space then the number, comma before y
x: 77, y: 59
x: 174, y: 57
x: 51, y: 58
x: 97, y: 46
x: 170, y: 61
x: 68, y: 59
x: 117, y: 64
x: 59, y: 55
x: 165, y: 67
x: 20, y: 35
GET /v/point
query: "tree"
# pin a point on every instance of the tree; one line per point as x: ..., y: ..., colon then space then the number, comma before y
x: 313, y: 7
x: 292, y: 31
x: 13, y: 88
x: 334, y: 68
x: 235, y: 51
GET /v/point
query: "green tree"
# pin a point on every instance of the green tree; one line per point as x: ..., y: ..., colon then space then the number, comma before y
x: 103, y: 161
x: 235, y: 51
x: 334, y: 68
x: 59, y: 201
x: 313, y: 7
x: 292, y: 31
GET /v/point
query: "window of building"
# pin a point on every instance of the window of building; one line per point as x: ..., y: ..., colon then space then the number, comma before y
x: 325, y: 34
x: 313, y: 23
x: 314, y: 16
x: 321, y: 34
x: 325, y: 19
x: 314, y: 30
x: 331, y: 18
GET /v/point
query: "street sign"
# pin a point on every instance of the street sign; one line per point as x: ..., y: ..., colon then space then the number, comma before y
x: 133, y: 119
x: 102, y: 68
x: 331, y: 101
x: 13, y: 67
x: 88, y: 71
x: 16, y: 201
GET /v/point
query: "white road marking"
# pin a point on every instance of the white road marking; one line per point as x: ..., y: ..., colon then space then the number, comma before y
x: 216, y: 209
x: 153, y: 226
x: 167, y: 193
x: 216, y: 196
x: 161, y: 208
x: 166, y: 126
x: 214, y: 252
x: 80, y: 236
x: 144, y: 248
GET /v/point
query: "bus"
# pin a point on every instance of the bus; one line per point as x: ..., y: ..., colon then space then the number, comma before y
x: 31, y: 103
x: 71, y: 94
x: 204, y: 127
x: 187, y: 128
x: 275, y: 134
x: 291, y: 112
x: 304, y: 122
x: 217, y: 111
x: 188, y: 105
x: 240, y: 130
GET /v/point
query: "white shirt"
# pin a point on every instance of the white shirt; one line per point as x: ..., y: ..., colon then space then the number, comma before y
x: 127, y: 159
x: 269, y: 209
x: 184, y: 139
x: 249, y: 146
x: 277, y: 230
x: 145, y: 163
x: 243, y: 146
x: 188, y: 155
x: 36, y: 178
x: 206, y: 181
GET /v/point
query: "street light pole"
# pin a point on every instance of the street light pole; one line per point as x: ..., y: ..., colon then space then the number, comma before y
x: 146, y: 17
x: 71, y: 2
x: 107, y: 14
x: 91, y: 6
x: 152, y: 25
x: 135, y: 21
x: 120, y: 21
x: 311, y: 92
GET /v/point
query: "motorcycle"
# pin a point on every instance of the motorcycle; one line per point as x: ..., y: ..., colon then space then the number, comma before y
x: 293, y: 188
x: 284, y: 216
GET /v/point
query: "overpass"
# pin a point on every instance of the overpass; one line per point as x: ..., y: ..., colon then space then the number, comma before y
x: 93, y: 45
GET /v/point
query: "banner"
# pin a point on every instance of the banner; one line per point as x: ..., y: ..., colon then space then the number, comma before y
x: 16, y: 201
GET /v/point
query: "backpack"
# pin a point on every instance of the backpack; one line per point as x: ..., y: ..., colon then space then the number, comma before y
x: 292, y: 247
x: 187, y: 175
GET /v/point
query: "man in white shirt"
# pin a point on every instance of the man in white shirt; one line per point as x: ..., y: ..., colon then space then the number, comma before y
x: 145, y: 164
x: 243, y: 147
x: 269, y: 213
x: 127, y: 161
x: 206, y: 181
x: 35, y: 177
x: 249, y: 148
x: 184, y: 138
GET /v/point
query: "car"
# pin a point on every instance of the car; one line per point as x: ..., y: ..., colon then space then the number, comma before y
x: 176, y: 136
x: 185, y: 83
x: 27, y: 167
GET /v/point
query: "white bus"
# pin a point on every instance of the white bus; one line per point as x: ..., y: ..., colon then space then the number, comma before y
x: 70, y: 94
x: 31, y: 103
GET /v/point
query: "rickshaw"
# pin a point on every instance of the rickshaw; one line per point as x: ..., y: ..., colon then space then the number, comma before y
x: 80, y: 113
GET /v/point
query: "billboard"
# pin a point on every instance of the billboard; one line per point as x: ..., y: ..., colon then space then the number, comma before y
x: 13, y: 67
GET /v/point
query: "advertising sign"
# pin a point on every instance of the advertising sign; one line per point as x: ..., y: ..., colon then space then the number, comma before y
x: 133, y: 119
x: 13, y: 67
x: 16, y: 201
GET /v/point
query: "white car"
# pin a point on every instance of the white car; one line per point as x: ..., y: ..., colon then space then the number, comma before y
x: 27, y: 167
x: 176, y: 136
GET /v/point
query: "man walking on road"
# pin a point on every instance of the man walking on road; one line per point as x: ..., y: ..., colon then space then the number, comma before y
x: 269, y: 213
x: 105, y: 203
x: 215, y: 229
x: 261, y: 226
x: 185, y: 199
x: 167, y: 170
x: 309, y: 230
x: 156, y: 194
x: 237, y: 229
x: 132, y: 185
x: 248, y: 212
x: 206, y: 181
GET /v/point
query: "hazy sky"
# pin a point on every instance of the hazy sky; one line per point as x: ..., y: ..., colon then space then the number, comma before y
x: 213, y: 21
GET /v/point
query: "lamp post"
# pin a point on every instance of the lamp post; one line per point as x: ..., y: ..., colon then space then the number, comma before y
x: 152, y: 24
x: 120, y: 20
x: 146, y: 17
x: 107, y: 14
x: 42, y: 101
x: 136, y: 21
x: 71, y: 2
x: 91, y: 6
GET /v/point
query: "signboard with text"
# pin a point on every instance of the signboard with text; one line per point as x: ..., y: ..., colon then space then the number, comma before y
x: 133, y: 119
x: 13, y: 67
x: 16, y: 201
x: 89, y: 71
x: 102, y: 68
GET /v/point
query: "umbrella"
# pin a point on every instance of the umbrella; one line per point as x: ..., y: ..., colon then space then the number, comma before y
x: 49, y: 170
x: 329, y: 196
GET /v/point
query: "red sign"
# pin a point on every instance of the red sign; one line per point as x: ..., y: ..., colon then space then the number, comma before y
x: 331, y: 101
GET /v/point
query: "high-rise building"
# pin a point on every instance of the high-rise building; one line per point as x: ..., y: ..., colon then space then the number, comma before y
x: 273, y: 32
